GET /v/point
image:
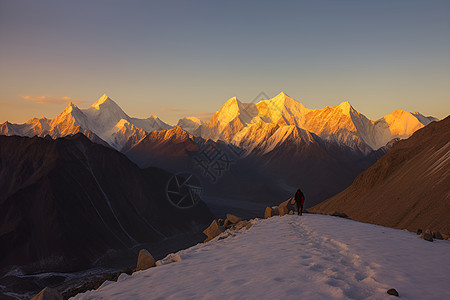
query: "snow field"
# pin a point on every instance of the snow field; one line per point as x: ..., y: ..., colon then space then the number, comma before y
x: 292, y: 257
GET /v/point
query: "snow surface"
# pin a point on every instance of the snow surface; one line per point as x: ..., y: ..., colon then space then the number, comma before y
x: 292, y: 257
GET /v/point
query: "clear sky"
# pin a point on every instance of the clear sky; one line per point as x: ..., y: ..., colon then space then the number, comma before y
x: 184, y: 58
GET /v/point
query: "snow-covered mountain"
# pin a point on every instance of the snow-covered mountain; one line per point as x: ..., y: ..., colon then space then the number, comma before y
x: 250, y: 125
x: 256, y: 127
x: 189, y: 124
x: 104, y: 120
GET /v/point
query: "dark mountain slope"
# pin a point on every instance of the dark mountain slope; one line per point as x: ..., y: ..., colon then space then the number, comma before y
x: 64, y: 203
x: 407, y: 188
x: 273, y: 170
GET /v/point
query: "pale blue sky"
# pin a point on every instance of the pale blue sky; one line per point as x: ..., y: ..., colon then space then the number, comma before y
x: 176, y: 58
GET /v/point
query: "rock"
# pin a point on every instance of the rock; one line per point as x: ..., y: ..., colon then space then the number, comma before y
x: 267, y: 213
x: 226, y: 223
x: 212, y: 231
x: 427, y: 236
x: 291, y: 212
x: 248, y: 225
x: 233, y: 219
x: 292, y: 204
x: 285, y: 207
x: 393, y: 292
x: 220, y: 222
x: 340, y: 214
x: 275, y: 211
x: 438, y: 235
x: 145, y: 260
x: 283, y: 210
x: 445, y: 236
x: 48, y: 294
x: 170, y: 258
x: 241, y: 224
x: 419, y: 231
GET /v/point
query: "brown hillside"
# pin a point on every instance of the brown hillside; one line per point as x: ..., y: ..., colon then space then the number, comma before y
x: 407, y: 188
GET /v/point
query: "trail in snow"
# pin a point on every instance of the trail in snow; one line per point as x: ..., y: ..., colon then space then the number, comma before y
x: 291, y: 257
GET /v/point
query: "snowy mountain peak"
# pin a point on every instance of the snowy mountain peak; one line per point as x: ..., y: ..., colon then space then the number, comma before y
x: 103, y: 101
x: 422, y: 119
x: 346, y: 107
x: 190, y: 124
x: 282, y: 98
x: 69, y: 108
x: 229, y: 111
x: 402, y: 123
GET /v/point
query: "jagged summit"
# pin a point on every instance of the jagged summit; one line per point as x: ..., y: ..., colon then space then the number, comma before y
x: 71, y: 106
x: 346, y: 107
x: 340, y: 124
x: 190, y: 124
x: 103, y: 100
x: 103, y: 120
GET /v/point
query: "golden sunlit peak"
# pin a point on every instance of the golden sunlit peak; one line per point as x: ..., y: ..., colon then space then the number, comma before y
x: 233, y: 99
x: 104, y: 98
x: 345, y: 107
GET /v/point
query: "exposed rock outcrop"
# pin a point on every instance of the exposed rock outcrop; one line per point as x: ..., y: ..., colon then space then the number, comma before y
x: 48, y: 294
x: 145, y: 260
x: 233, y: 219
x: 212, y: 231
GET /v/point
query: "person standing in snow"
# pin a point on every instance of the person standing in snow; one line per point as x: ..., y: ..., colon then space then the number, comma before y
x: 299, y: 199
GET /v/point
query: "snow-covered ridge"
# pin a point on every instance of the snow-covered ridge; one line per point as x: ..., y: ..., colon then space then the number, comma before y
x: 257, y: 127
x: 247, y: 124
x: 103, y: 119
x: 292, y: 257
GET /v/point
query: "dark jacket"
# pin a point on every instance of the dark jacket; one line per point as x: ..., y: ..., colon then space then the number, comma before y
x: 299, y: 197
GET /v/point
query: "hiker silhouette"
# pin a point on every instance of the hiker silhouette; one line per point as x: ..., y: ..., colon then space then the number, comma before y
x: 300, y: 200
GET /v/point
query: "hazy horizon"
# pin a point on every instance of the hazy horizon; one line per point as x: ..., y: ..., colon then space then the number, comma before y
x: 187, y: 59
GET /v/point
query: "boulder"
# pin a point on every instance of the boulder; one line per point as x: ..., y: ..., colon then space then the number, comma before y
x: 241, y: 224
x: 267, y: 213
x: 248, y: 225
x: 275, y: 211
x: 226, y: 223
x: 145, y: 260
x: 233, y: 219
x: 419, y: 231
x: 286, y: 206
x: 220, y: 222
x: 438, y: 235
x: 48, y: 294
x: 291, y: 212
x: 393, y: 292
x: 283, y: 210
x: 212, y: 231
x: 427, y: 235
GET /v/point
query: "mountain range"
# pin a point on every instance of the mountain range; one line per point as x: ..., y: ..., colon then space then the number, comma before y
x: 65, y: 203
x: 276, y: 144
x: 103, y: 121
x: 247, y: 125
